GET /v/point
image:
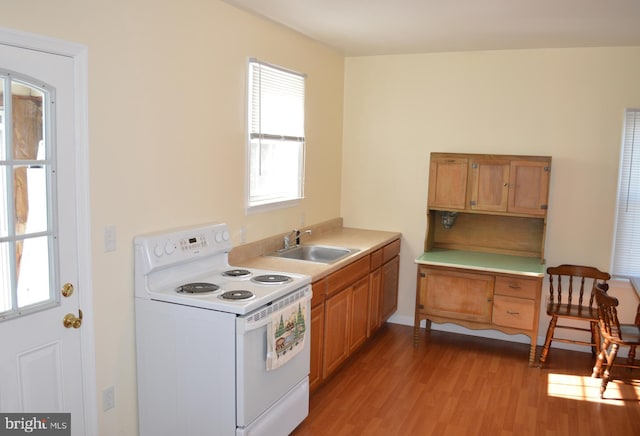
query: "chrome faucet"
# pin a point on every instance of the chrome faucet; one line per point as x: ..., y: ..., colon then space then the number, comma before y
x: 298, y: 235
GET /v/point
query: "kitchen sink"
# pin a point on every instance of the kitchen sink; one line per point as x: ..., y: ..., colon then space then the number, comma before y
x: 314, y: 253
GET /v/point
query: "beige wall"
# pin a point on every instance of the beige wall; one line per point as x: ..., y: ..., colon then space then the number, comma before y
x: 566, y: 103
x: 167, y: 139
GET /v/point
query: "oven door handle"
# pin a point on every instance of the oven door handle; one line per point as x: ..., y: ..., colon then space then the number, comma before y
x: 263, y: 317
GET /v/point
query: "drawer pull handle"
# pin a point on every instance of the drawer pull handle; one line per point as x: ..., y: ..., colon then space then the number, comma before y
x: 514, y: 286
x: 509, y: 312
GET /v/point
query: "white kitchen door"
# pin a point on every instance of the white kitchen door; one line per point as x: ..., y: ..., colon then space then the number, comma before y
x: 41, y: 358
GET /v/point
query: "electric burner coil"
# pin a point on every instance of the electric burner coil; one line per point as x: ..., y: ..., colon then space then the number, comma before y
x: 197, y: 288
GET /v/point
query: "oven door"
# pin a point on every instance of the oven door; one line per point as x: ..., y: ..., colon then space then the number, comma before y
x: 259, y: 388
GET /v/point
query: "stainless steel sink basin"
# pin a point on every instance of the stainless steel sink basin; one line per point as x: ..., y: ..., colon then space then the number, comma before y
x: 315, y: 253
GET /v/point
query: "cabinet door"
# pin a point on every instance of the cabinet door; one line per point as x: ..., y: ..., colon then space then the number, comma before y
x: 529, y: 187
x: 390, y: 275
x: 375, y: 293
x: 489, y: 185
x: 359, y: 314
x: 457, y: 295
x: 448, y: 183
x: 336, y: 331
x: 317, y: 335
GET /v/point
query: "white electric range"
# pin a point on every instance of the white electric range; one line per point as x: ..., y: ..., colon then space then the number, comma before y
x: 211, y: 358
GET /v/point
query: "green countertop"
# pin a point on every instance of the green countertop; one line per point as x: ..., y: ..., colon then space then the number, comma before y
x: 501, y: 263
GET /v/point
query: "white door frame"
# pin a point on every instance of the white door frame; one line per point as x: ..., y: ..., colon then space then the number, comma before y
x: 78, y: 53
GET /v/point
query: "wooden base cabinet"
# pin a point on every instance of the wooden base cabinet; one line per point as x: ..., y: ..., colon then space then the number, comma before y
x: 348, y: 306
x: 509, y: 303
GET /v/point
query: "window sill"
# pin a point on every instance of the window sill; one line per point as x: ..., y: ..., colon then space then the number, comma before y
x: 251, y: 210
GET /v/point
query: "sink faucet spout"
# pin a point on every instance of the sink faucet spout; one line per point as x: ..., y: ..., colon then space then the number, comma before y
x: 299, y: 235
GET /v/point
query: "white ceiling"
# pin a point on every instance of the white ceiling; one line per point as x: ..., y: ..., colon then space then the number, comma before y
x: 378, y: 27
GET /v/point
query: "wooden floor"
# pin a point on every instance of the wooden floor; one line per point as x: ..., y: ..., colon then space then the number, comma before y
x: 462, y: 385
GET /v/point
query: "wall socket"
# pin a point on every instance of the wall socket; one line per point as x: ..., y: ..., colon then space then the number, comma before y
x: 109, y: 239
x: 108, y: 398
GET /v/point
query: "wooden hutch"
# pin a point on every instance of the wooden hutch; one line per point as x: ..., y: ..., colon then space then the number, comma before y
x: 483, y: 261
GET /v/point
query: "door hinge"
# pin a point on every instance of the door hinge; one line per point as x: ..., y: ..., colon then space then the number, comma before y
x: 422, y: 274
x: 421, y: 306
x: 544, y: 207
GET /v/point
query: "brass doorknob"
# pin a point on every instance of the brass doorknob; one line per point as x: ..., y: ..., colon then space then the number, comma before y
x: 67, y: 290
x: 70, y: 320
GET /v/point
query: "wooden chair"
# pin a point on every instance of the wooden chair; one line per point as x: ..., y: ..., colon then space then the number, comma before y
x: 567, y: 286
x: 614, y: 335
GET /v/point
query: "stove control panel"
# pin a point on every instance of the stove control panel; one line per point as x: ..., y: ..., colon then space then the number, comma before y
x: 173, y: 247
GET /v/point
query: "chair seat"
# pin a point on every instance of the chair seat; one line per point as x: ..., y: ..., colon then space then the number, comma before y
x: 630, y: 334
x: 573, y: 311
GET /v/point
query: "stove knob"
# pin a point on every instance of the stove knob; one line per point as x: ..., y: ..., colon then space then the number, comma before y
x: 225, y: 235
x: 169, y: 247
x: 218, y: 237
x: 158, y: 251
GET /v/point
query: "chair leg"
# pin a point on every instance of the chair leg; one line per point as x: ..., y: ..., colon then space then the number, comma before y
x: 597, y: 369
x: 611, y: 357
x: 595, y: 339
x: 549, y: 339
x: 632, y: 355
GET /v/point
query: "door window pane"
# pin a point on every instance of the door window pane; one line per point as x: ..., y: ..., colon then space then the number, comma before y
x: 26, y: 230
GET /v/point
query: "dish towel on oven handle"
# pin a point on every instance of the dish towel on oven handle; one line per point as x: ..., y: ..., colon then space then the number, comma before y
x: 286, y: 334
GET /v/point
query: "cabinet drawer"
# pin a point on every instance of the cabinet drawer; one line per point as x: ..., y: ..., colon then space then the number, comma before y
x: 376, y: 259
x: 517, y: 287
x: 391, y: 250
x: 513, y: 312
x: 319, y: 290
x: 347, y: 276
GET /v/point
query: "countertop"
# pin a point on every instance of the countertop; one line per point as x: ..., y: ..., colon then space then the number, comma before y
x: 490, y: 262
x: 366, y: 241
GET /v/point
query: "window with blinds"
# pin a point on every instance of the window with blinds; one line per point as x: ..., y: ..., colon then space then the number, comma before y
x: 276, y: 135
x: 626, y: 251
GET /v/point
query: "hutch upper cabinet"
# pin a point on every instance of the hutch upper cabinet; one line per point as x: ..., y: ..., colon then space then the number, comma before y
x: 489, y: 183
x: 490, y: 203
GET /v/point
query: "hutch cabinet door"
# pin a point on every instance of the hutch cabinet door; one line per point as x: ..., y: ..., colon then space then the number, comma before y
x: 529, y: 187
x: 457, y: 295
x: 489, y: 185
x: 448, y: 183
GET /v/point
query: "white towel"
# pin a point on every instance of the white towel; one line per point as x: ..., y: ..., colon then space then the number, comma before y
x: 286, y: 334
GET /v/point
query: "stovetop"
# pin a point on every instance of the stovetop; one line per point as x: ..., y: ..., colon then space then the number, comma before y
x: 198, y: 256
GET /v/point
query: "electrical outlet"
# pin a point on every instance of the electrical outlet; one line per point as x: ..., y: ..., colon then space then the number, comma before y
x: 108, y: 398
x: 109, y: 239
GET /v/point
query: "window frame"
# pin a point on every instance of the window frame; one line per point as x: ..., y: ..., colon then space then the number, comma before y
x: 625, y: 226
x: 252, y: 204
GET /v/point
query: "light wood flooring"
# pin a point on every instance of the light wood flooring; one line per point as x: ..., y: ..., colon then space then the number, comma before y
x: 459, y: 385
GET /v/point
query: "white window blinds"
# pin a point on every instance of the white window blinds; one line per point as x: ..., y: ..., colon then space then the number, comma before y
x: 276, y: 135
x: 626, y: 252
x: 277, y: 102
